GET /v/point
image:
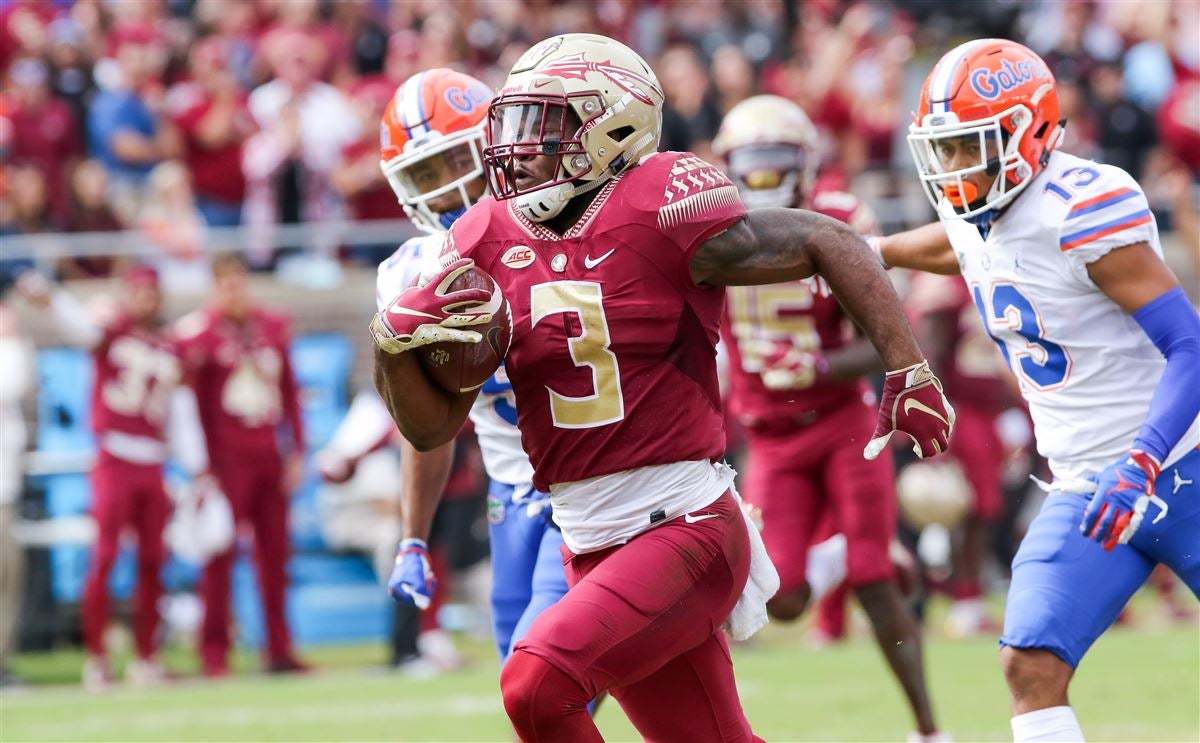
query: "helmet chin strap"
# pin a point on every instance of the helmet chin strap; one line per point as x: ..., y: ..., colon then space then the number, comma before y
x: 547, y: 203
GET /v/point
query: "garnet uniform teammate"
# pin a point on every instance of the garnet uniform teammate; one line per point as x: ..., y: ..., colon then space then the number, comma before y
x: 1063, y: 261
x: 796, y: 384
x: 616, y: 303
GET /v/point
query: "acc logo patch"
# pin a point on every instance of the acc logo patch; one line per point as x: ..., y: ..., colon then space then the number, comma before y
x: 518, y: 256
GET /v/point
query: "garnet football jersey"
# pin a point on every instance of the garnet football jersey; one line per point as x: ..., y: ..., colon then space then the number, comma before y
x: 137, y: 369
x: 613, y: 360
x: 243, y: 379
x: 773, y: 333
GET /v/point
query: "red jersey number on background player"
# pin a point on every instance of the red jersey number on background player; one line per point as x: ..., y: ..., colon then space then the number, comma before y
x: 137, y: 369
x: 780, y: 328
x: 612, y: 360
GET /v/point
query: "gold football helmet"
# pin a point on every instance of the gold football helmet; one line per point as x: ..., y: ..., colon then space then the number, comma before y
x: 771, y: 150
x: 587, y: 100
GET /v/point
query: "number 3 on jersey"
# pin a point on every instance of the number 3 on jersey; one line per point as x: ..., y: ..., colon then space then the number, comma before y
x: 589, y: 349
x: 1016, y: 326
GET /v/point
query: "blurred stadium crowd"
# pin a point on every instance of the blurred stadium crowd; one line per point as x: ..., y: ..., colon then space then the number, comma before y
x: 174, y: 116
x: 173, y: 119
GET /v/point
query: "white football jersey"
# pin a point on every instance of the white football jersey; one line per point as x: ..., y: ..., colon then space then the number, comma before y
x: 494, y: 412
x: 1086, y: 368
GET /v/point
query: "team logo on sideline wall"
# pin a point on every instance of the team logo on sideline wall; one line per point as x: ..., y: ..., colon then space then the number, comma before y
x: 518, y: 256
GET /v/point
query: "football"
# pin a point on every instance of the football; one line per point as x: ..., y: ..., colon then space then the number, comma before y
x: 462, y: 367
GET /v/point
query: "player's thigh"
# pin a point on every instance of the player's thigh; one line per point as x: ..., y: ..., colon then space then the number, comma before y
x: 1174, y: 538
x: 513, y: 546
x: 151, y: 510
x: 1066, y: 590
x: 692, y: 698
x: 112, y: 496
x: 861, y: 493
x: 633, y: 608
x: 787, y: 494
x: 549, y: 583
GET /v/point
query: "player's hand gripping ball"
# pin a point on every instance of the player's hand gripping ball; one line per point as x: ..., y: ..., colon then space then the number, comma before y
x: 458, y: 323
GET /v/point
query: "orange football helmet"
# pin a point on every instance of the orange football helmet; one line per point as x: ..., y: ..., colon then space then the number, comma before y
x: 990, y: 94
x: 431, y: 145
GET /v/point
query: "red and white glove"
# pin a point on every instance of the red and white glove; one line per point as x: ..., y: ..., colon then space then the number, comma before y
x: 913, y: 403
x: 782, y: 366
x: 431, y: 313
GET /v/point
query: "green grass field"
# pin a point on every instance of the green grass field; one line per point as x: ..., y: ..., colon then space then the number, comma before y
x: 1139, y: 684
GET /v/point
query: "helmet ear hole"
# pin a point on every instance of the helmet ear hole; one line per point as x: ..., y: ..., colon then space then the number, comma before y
x: 620, y: 133
x: 1041, y: 132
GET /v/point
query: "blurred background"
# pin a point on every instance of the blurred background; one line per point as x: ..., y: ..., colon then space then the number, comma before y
x: 156, y: 131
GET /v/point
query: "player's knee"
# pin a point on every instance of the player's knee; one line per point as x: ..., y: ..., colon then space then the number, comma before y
x: 788, y: 606
x: 1035, y: 674
x: 536, y: 692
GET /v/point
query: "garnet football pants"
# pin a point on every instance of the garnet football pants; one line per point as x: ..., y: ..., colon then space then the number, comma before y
x: 796, y: 476
x: 641, y: 621
x: 126, y: 495
x: 977, y: 447
x: 252, y: 483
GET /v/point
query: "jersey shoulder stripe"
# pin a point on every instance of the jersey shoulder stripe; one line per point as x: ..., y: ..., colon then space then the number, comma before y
x: 1103, y: 201
x: 1091, y: 234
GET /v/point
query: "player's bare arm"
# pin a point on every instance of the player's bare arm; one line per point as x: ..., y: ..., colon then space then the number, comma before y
x: 774, y: 245
x: 424, y: 475
x: 1132, y: 276
x: 925, y: 248
x: 426, y: 415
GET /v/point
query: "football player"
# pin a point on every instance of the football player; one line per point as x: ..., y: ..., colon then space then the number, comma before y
x: 1062, y: 259
x: 432, y: 154
x: 140, y: 413
x: 796, y: 385
x: 613, y: 260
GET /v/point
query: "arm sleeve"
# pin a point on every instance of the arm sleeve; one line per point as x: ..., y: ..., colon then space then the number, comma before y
x: 1171, y: 322
x: 185, y: 436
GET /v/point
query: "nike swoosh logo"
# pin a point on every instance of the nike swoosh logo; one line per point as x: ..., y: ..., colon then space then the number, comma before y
x: 694, y: 519
x: 591, y: 262
x: 911, y: 404
x: 398, y: 310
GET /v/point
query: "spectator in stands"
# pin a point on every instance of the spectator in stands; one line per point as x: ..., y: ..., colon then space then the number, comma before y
x: 236, y: 24
x: 44, y: 131
x: 28, y: 203
x: 303, y: 126
x: 214, y: 123
x: 1125, y: 132
x: 70, y: 67
x: 89, y: 212
x: 733, y: 77
x: 16, y: 359
x: 125, y: 132
x: 358, y: 177
x: 690, y: 116
x: 236, y: 356
x: 170, y: 218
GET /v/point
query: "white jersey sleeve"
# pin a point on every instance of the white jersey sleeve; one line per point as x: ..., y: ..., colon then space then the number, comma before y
x: 494, y: 413
x: 1107, y: 210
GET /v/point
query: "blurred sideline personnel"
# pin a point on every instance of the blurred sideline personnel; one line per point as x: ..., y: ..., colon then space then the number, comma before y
x: 17, y: 361
x: 236, y: 357
x: 140, y: 413
x: 613, y: 260
x: 796, y: 385
x: 952, y: 335
x: 432, y: 155
x: 1063, y: 261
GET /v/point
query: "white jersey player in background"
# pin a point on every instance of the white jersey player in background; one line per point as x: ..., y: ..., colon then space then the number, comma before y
x: 1063, y: 260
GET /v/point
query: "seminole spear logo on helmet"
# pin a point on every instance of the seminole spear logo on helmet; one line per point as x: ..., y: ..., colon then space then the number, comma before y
x: 575, y: 67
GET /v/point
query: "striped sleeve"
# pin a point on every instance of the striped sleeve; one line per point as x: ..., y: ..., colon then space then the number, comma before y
x: 1111, y: 215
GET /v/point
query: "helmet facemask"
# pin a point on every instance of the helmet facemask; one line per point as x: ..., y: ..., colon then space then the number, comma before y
x: 771, y: 175
x: 434, y: 167
x: 998, y: 148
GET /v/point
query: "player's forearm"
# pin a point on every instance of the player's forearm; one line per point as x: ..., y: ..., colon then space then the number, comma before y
x: 925, y: 248
x: 424, y: 475
x: 864, y: 291
x: 855, y: 360
x: 1173, y: 326
x: 426, y: 415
